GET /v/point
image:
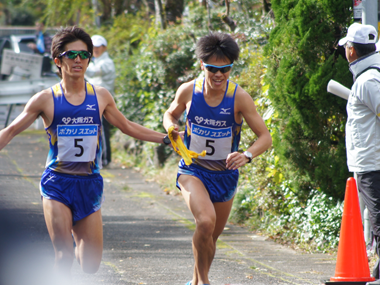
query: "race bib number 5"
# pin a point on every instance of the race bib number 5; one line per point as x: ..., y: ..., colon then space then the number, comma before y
x: 77, y: 143
x: 217, y: 142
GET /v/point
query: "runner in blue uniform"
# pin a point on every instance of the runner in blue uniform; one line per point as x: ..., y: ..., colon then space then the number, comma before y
x: 71, y: 186
x: 215, y: 108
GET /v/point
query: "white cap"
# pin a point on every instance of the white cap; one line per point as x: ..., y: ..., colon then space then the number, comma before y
x: 98, y: 41
x: 360, y: 34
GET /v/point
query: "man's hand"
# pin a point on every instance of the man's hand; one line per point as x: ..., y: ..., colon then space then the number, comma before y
x: 32, y: 46
x: 173, y: 132
x: 180, y: 148
x: 235, y: 160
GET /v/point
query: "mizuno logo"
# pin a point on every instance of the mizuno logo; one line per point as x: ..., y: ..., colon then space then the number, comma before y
x: 51, y: 177
x: 225, y: 111
x: 91, y: 107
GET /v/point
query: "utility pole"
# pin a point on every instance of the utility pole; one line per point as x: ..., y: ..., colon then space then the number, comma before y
x: 96, y: 11
x: 370, y: 13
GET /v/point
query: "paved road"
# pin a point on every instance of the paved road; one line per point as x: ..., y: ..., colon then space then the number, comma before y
x: 147, y: 234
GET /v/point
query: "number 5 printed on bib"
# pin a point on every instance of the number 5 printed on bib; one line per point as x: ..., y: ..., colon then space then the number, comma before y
x: 77, y: 143
x: 217, y: 142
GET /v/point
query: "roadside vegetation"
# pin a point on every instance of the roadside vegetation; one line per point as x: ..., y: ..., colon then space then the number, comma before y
x: 292, y: 193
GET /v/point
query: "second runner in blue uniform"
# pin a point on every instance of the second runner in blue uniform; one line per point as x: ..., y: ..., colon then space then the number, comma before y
x: 215, y: 108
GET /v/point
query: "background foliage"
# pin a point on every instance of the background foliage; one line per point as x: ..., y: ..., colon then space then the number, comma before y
x: 294, y: 191
x: 301, y: 60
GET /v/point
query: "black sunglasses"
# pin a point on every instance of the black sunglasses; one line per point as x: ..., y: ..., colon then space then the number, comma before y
x: 72, y: 54
x: 216, y: 68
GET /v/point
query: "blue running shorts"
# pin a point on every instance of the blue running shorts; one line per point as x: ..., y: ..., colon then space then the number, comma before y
x: 82, y: 194
x: 221, y: 185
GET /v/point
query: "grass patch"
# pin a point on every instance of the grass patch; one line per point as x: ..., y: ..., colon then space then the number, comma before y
x: 190, y: 225
x: 144, y: 195
x: 127, y: 188
x: 221, y: 244
x: 106, y: 174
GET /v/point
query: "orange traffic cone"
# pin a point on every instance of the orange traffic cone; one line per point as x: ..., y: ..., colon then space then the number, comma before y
x: 352, y: 262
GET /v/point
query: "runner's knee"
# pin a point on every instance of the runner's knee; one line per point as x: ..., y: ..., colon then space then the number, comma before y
x: 206, y: 226
x: 89, y: 257
x: 64, y: 258
x: 91, y: 266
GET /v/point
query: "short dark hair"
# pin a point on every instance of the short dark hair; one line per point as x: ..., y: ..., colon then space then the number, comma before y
x: 68, y: 35
x: 362, y: 49
x: 220, y: 45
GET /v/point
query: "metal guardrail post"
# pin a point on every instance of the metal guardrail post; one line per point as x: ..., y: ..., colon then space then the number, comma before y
x: 10, y: 108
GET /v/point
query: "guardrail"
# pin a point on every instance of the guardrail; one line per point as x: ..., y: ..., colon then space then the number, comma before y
x: 19, y: 92
x: 22, y: 30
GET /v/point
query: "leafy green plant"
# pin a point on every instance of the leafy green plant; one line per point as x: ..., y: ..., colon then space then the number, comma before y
x: 312, y: 226
x: 302, y: 59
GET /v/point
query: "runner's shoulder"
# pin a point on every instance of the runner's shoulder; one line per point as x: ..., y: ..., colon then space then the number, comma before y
x: 43, y: 96
x: 186, y: 89
x: 101, y: 90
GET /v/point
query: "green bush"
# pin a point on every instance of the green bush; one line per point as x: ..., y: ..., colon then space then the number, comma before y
x: 313, y: 226
x: 310, y: 138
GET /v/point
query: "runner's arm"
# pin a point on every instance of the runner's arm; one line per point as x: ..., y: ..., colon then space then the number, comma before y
x: 245, y: 106
x: 177, y: 107
x: 116, y: 118
x: 32, y: 110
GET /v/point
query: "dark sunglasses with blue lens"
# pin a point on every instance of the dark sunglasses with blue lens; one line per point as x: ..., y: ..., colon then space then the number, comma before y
x: 72, y: 54
x: 216, y: 68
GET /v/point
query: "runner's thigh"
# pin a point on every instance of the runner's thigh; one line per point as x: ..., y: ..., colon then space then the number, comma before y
x: 222, y: 210
x: 88, y: 234
x: 196, y: 197
x: 59, y: 221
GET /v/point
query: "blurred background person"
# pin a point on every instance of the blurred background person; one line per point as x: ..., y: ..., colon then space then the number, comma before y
x: 42, y: 45
x: 43, y: 40
x: 101, y: 72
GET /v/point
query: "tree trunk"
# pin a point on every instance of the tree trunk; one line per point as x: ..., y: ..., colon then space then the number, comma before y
x: 231, y: 23
x: 266, y: 7
x: 209, y: 15
x: 160, y: 20
x: 95, y: 7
